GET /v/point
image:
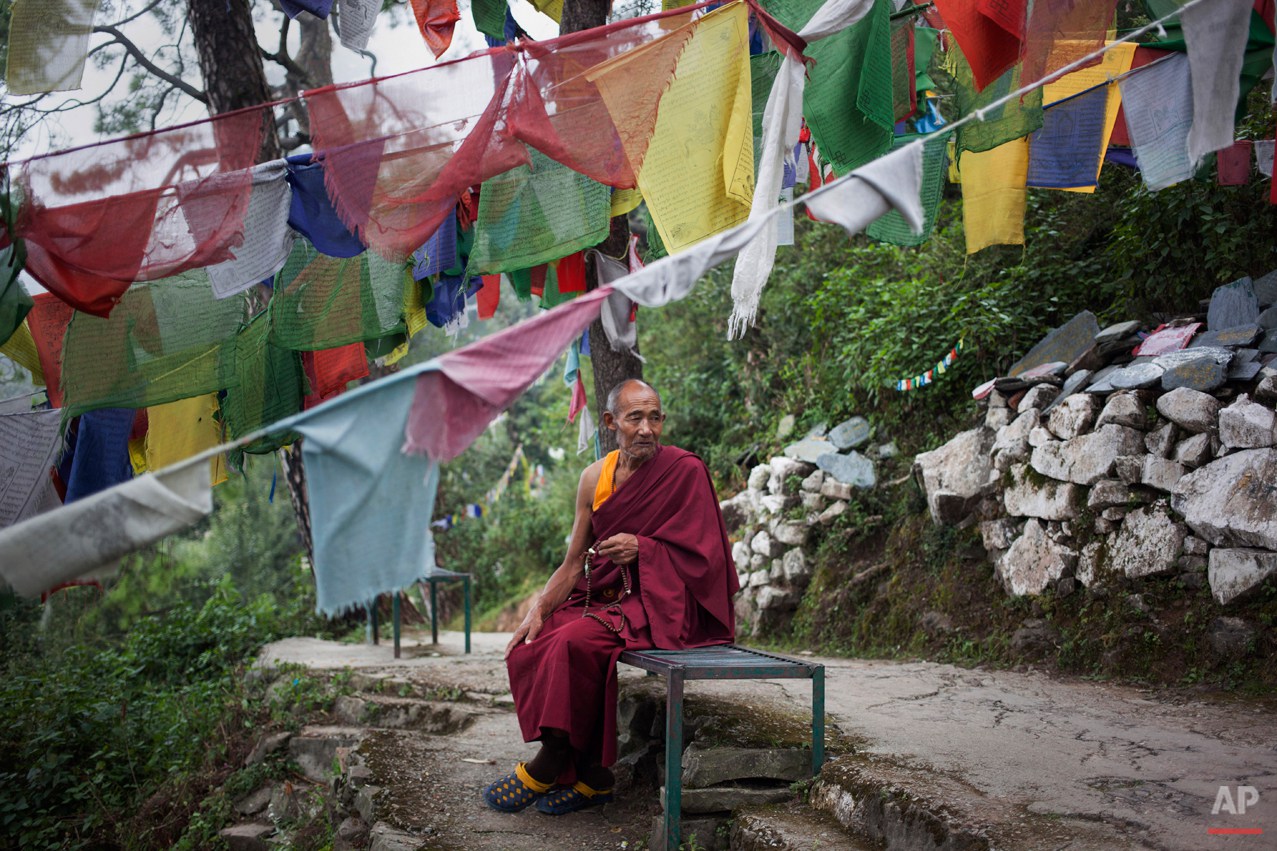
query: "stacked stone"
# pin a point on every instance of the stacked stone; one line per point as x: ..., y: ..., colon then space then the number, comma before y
x: 771, y: 520
x: 1131, y: 471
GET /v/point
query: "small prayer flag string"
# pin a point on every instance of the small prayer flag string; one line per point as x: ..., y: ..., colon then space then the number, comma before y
x: 924, y: 378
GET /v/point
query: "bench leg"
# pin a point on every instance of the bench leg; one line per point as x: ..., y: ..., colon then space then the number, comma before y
x: 374, y: 631
x: 467, y: 595
x: 394, y: 618
x: 674, y: 761
x: 434, y: 613
x: 817, y: 720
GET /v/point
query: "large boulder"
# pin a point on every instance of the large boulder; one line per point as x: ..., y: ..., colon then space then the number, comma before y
x: 852, y: 434
x: 1232, y: 501
x: 1149, y: 542
x: 1191, y: 410
x: 808, y: 449
x: 1073, y: 416
x: 1089, y: 457
x: 1237, y: 573
x: 784, y: 469
x: 1247, y: 425
x: 851, y: 469
x: 955, y: 474
x: 1031, y: 495
x: 1034, y: 561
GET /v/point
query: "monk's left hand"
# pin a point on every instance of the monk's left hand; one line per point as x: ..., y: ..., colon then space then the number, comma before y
x: 620, y: 549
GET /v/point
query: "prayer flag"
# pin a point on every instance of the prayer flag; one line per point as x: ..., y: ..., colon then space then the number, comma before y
x: 436, y: 20
x: 537, y: 213
x: 1067, y: 152
x: 100, y: 528
x: 98, y: 218
x: 1234, y: 163
x: 1216, y: 33
x: 990, y: 41
x: 267, y: 237
x: 697, y: 172
x: 1159, y: 111
x: 48, y: 42
x: 179, y: 430
x: 29, y: 447
x: 993, y: 195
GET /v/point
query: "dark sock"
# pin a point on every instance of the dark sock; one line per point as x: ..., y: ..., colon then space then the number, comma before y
x: 597, y: 777
x: 550, y: 761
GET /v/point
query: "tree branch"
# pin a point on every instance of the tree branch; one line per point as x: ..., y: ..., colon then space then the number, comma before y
x: 281, y: 56
x: 140, y: 58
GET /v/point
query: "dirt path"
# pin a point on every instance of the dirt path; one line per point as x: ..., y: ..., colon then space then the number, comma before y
x: 1093, y: 765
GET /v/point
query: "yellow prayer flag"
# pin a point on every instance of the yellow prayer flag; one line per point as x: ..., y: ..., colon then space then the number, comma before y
x: 20, y: 348
x: 625, y: 200
x: 178, y: 430
x: 697, y: 175
x: 137, y: 455
x: 1114, y: 63
x: 414, y: 314
x: 48, y: 43
x: 549, y: 8
x: 993, y: 195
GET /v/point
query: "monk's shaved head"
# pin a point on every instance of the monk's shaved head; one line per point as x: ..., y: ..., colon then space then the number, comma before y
x: 614, y: 397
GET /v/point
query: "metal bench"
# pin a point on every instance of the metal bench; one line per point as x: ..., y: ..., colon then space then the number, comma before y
x: 435, y: 576
x: 723, y: 662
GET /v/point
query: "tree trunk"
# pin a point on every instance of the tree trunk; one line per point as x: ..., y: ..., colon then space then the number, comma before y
x: 231, y: 62
x: 235, y: 78
x: 610, y: 367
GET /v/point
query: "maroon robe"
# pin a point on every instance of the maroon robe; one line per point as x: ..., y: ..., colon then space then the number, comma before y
x: 681, y: 596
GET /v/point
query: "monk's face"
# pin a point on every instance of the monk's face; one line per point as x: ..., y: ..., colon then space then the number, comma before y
x: 638, y: 422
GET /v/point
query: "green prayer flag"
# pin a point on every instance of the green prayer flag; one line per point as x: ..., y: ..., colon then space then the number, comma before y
x: 489, y: 17
x: 847, y: 101
x: 1013, y: 120
x: 892, y: 227
x: 531, y: 215
x: 269, y: 385
x: 14, y: 301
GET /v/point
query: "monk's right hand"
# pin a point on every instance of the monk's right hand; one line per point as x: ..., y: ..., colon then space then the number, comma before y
x: 528, y: 630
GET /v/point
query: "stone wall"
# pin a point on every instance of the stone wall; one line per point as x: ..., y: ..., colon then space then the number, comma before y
x: 786, y: 499
x: 1076, y: 488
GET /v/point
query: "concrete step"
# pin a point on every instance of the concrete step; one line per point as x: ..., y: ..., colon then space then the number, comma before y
x: 791, y: 828
x: 896, y: 805
x: 438, y: 718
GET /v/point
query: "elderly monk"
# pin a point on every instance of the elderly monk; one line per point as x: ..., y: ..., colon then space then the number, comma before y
x: 648, y: 565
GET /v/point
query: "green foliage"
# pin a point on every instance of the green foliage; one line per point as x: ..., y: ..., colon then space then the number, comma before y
x: 88, y: 732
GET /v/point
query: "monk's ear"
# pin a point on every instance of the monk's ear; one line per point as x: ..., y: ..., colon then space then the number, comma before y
x: 609, y: 421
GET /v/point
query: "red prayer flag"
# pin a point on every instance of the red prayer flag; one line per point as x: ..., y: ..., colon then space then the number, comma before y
x: 571, y: 273
x: 489, y: 296
x: 1234, y: 163
x: 330, y: 370
x: 48, y: 322
x: 1061, y: 33
x: 436, y: 20
x: 989, y: 47
x: 97, y: 218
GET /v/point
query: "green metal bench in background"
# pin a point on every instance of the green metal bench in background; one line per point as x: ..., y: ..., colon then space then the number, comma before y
x: 723, y: 662
x: 435, y: 576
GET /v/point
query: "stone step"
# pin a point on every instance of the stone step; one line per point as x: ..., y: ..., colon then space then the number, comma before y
x: 439, y: 718
x: 317, y: 750
x: 900, y: 806
x: 791, y: 829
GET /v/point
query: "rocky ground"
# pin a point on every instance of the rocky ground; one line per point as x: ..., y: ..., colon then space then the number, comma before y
x: 924, y: 756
